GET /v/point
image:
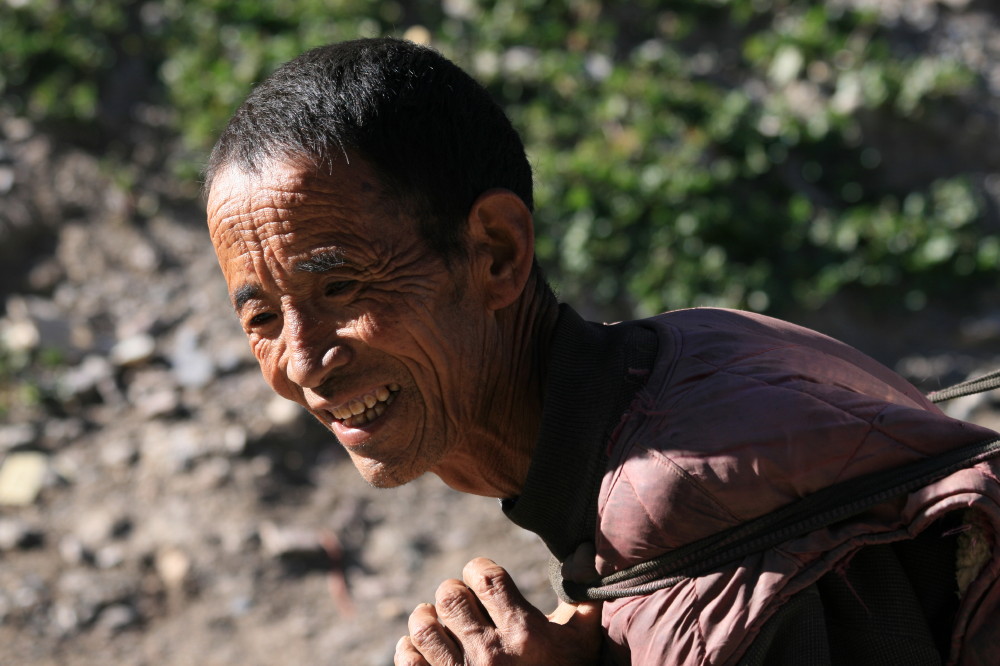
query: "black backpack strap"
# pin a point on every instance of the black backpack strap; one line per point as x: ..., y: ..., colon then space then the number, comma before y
x: 820, y: 509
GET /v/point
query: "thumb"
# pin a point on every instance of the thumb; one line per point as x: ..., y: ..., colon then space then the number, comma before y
x: 582, y: 615
x: 582, y: 623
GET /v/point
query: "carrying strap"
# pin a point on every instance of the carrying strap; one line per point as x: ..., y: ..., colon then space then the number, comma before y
x: 820, y: 509
x: 987, y: 382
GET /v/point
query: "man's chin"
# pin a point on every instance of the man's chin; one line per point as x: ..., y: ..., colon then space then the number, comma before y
x: 385, y: 482
x: 380, y: 475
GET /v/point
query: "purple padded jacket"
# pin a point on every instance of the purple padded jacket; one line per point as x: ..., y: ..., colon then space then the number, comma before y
x: 660, y: 432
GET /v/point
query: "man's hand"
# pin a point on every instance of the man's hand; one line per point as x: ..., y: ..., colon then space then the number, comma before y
x: 486, y: 621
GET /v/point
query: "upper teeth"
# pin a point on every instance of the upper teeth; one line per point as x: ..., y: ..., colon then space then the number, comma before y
x: 373, y: 402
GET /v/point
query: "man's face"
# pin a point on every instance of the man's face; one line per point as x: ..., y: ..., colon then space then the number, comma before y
x: 350, y: 314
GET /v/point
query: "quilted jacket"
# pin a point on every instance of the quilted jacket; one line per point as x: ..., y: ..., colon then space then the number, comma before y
x: 661, y: 432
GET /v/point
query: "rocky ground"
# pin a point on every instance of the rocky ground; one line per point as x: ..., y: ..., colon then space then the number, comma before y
x: 159, y: 506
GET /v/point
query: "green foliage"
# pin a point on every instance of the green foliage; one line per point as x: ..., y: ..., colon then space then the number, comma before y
x: 216, y: 50
x: 54, y: 53
x: 687, y: 152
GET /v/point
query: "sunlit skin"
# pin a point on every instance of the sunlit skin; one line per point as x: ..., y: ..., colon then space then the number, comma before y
x: 347, y: 309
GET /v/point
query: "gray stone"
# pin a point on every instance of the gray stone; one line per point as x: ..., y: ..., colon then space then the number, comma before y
x: 284, y: 541
x: 51, y: 327
x: 16, y: 533
x: 94, y: 373
x: 153, y: 392
x: 16, y: 434
x: 191, y: 364
x: 117, y: 617
x: 59, y: 432
x: 134, y: 350
x: 212, y: 473
x: 65, y: 618
x: 119, y: 452
x: 98, y: 526
x: 109, y: 556
x: 72, y: 550
x: 167, y: 448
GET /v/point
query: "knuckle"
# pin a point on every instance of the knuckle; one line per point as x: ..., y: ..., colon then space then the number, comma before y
x: 423, y: 635
x: 518, y: 635
x: 491, y: 580
x: 429, y: 645
x: 452, y: 601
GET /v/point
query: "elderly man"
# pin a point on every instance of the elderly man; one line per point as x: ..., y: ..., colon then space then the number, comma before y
x: 371, y: 209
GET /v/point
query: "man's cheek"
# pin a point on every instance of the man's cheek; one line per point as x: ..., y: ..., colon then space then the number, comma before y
x: 274, y: 374
x: 286, y: 389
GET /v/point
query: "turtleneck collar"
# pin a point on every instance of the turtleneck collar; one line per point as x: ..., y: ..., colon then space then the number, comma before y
x: 593, y: 373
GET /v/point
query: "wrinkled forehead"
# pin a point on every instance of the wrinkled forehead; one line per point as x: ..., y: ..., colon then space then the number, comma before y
x: 235, y: 195
x: 268, y: 200
x: 243, y: 210
x: 269, y: 226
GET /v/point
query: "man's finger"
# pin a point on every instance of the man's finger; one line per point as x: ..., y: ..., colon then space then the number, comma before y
x: 431, y: 639
x: 460, y: 611
x: 407, y: 655
x: 498, y: 594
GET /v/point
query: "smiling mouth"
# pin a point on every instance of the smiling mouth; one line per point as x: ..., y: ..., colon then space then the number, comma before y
x: 365, y: 408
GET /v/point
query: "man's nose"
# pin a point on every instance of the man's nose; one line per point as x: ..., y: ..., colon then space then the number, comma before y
x: 313, y: 350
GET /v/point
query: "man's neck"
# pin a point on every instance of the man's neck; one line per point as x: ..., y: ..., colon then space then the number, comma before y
x: 494, y: 461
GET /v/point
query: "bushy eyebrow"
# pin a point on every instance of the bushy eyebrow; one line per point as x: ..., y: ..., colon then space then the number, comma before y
x: 322, y: 262
x: 243, y: 294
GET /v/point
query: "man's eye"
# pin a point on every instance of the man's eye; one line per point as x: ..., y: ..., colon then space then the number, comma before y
x: 335, y: 288
x: 261, y: 319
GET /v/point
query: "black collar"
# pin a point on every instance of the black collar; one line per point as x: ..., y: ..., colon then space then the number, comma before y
x: 593, y: 373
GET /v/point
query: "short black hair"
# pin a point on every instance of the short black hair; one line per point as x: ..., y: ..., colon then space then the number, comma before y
x: 434, y: 136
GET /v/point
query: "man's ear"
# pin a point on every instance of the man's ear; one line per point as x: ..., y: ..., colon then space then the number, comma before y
x: 501, y: 237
